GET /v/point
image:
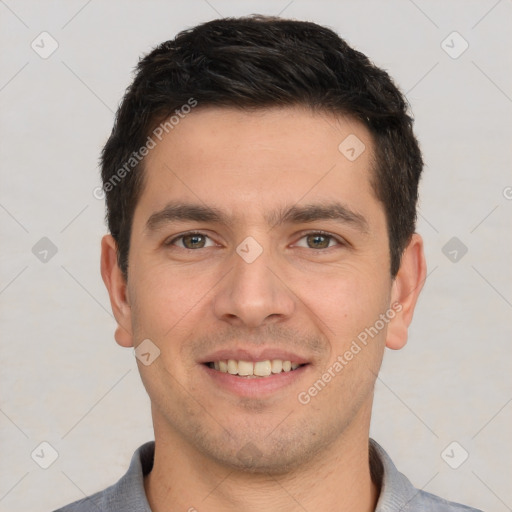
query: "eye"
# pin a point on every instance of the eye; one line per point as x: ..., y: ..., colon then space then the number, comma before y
x: 196, y: 240
x: 320, y: 240
x: 193, y: 240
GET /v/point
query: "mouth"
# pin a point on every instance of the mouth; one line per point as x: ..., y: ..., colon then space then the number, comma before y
x: 257, y: 379
x: 257, y: 374
x: 254, y: 369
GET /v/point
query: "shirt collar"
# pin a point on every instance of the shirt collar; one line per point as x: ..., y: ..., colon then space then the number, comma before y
x: 396, y: 491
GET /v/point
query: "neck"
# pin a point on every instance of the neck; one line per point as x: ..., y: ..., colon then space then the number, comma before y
x: 337, y: 479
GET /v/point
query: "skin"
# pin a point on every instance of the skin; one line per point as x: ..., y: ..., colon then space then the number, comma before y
x: 295, y: 296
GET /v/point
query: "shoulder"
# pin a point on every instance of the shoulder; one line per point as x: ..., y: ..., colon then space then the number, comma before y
x: 397, y: 492
x: 102, y: 500
x: 127, y: 494
x: 89, y: 504
x: 426, y: 502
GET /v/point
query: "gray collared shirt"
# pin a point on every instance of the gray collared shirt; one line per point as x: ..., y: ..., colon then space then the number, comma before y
x: 397, y: 494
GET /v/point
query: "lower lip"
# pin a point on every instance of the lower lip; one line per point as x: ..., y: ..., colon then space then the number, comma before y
x: 255, y: 387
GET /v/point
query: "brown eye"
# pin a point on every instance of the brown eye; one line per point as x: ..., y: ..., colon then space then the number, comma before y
x: 193, y: 241
x: 189, y: 241
x: 318, y: 241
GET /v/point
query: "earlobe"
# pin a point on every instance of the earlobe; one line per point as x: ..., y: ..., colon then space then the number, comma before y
x: 117, y: 290
x: 405, y: 291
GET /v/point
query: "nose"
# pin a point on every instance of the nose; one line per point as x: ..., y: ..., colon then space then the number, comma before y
x: 254, y: 293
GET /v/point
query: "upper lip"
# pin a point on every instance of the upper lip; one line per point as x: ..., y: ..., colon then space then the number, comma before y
x: 240, y: 354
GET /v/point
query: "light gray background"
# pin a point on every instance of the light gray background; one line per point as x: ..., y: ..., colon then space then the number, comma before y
x: 63, y: 378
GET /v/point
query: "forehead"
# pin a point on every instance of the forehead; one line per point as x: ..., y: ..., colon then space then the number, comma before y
x: 247, y: 163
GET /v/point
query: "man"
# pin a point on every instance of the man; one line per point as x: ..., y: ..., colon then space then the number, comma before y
x: 261, y: 183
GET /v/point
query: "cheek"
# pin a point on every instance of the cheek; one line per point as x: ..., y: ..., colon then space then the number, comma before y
x: 349, y: 309
x: 154, y: 310
x: 168, y: 303
x: 347, y: 301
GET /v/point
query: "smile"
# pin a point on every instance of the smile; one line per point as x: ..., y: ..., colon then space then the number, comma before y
x: 256, y: 369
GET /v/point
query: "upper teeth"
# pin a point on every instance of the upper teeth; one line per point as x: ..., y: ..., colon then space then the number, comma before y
x: 259, y: 368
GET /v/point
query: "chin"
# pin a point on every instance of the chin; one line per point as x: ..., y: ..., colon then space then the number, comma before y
x: 267, y: 454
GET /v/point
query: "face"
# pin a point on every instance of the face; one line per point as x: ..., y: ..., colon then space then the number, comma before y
x: 257, y: 244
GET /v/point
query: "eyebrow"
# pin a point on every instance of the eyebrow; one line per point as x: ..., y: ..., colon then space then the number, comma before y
x: 295, y: 214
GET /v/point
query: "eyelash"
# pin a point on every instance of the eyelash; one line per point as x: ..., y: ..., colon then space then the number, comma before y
x: 323, y: 233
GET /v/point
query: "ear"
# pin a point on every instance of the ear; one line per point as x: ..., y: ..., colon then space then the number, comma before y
x: 405, y: 291
x: 117, y: 290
